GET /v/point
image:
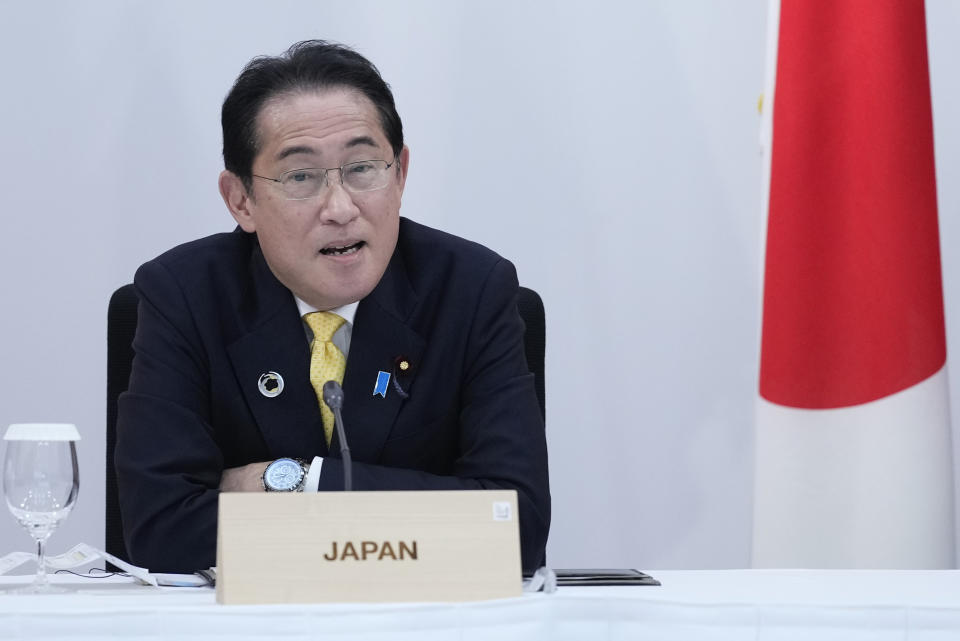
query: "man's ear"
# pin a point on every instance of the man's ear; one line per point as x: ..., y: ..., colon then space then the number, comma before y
x: 237, y: 200
x: 404, y: 161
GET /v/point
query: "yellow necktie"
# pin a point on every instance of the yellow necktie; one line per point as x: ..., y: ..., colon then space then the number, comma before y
x: 327, y: 363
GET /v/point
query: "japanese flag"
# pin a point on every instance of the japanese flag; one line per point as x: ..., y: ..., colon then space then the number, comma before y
x: 853, y: 464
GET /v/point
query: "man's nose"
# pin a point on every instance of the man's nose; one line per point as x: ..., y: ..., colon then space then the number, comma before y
x: 336, y: 204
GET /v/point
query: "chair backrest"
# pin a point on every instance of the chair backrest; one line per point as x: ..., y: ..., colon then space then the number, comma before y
x: 122, y: 325
x: 533, y: 314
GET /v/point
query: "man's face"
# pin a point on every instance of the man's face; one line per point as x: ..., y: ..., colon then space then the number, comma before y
x: 301, y: 238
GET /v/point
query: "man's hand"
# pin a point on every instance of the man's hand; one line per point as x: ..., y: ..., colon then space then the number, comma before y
x: 245, y: 478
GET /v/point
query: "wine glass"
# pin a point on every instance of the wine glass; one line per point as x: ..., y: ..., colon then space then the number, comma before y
x: 40, y: 483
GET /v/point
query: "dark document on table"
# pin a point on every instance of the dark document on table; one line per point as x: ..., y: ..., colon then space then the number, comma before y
x: 616, y: 576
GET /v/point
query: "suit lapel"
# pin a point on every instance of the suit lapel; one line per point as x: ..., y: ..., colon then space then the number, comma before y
x: 380, y: 337
x: 275, y: 341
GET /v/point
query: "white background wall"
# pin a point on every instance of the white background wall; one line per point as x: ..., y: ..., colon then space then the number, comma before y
x: 110, y: 149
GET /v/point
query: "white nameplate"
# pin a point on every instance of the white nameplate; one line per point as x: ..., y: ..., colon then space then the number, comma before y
x: 368, y: 546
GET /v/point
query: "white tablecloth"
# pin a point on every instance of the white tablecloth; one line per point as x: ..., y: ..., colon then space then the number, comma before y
x: 764, y: 605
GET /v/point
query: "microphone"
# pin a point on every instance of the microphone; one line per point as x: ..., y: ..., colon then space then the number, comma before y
x: 333, y: 397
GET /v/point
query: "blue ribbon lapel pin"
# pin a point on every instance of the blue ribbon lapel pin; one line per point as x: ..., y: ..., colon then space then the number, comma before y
x: 380, y: 387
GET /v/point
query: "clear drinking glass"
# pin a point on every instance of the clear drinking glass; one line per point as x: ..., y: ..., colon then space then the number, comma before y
x: 40, y: 483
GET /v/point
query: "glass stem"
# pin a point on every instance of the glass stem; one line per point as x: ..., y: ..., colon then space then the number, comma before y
x: 41, y: 563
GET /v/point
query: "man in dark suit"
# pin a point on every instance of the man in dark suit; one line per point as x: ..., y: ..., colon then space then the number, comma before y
x: 225, y: 384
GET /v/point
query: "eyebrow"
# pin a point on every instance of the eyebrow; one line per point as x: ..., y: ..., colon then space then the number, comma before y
x: 292, y: 151
x: 360, y: 140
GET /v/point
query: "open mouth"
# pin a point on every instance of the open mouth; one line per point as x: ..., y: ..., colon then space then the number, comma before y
x: 344, y: 250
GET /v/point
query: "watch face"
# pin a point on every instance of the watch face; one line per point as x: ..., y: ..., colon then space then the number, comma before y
x: 283, y: 475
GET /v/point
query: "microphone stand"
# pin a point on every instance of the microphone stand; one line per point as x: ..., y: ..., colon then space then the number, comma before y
x: 333, y: 397
x: 344, y: 452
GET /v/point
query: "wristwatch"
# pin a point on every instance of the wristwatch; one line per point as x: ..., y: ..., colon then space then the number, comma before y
x: 284, y: 475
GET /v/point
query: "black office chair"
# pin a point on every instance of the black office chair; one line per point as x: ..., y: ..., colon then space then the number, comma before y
x: 122, y: 325
x: 534, y: 317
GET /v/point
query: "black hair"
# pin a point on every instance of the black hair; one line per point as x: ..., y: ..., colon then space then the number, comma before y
x: 307, y: 65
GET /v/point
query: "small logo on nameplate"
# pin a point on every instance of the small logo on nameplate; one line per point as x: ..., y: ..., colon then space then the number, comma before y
x: 502, y: 511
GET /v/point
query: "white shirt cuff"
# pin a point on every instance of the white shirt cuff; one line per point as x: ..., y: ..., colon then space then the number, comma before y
x: 312, y: 482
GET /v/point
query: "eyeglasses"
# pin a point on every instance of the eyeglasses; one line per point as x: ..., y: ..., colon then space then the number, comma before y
x: 356, y: 177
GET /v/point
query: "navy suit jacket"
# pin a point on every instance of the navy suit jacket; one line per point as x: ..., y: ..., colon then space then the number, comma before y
x: 213, y: 318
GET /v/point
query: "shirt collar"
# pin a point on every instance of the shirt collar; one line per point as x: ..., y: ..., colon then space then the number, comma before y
x: 346, y: 312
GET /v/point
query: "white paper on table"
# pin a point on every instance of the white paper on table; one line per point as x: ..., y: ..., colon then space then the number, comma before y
x: 82, y: 554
